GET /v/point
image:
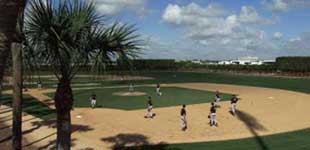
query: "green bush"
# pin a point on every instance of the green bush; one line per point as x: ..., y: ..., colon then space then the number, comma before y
x: 293, y: 64
x: 152, y: 64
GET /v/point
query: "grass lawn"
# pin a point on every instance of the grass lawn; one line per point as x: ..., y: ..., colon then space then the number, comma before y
x: 172, y: 96
x: 32, y: 106
x: 292, y: 84
x: 298, y: 140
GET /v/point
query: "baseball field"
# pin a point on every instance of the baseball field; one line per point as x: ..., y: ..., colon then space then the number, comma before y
x: 272, y: 114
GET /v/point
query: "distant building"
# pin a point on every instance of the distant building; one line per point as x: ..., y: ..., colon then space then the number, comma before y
x: 226, y: 62
x: 246, y: 61
x: 196, y: 61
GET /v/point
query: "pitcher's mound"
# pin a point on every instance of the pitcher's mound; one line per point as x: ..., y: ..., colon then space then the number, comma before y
x: 129, y: 93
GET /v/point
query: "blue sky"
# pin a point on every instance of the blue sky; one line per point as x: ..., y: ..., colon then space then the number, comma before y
x: 216, y: 29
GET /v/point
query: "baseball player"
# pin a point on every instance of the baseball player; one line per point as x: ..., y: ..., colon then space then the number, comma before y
x: 93, y: 100
x: 131, y: 88
x: 212, y: 115
x: 158, y: 89
x: 217, y: 99
x: 150, y: 113
x: 183, y: 118
x: 233, y: 102
x: 39, y: 85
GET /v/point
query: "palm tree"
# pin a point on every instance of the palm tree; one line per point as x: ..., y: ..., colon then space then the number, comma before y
x: 67, y: 35
x: 11, y: 24
x: 8, y: 18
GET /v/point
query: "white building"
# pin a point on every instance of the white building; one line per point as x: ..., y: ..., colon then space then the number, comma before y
x: 226, y: 62
x: 196, y: 61
x: 245, y: 61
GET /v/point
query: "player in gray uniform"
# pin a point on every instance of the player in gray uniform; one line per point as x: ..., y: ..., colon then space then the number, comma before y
x: 183, y: 118
x: 150, y: 113
x: 233, y: 102
x: 212, y: 115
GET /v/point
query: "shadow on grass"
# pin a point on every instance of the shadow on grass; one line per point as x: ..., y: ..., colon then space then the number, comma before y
x: 30, y: 106
x: 121, y: 140
x: 253, y: 125
x: 6, y: 111
x: 6, y: 116
x: 8, y: 126
x: 50, y: 124
x: 24, y: 133
x: 134, y: 142
x: 39, y: 140
x: 52, y: 145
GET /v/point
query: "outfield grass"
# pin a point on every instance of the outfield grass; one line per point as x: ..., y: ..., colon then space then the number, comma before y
x: 298, y: 140
x: 292, y: 84
x: 172, y: 96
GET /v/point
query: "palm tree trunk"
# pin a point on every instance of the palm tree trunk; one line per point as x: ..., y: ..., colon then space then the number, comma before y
x: 4, y: 54
x: 17, y: 96
x: 8, y: 17
x: 63, y: 102
x: 11, y: 15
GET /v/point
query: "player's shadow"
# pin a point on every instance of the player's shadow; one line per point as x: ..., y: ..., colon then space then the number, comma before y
x: 253, y: 125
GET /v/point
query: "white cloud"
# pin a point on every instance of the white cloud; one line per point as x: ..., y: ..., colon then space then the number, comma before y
x: 278, y: 35
x: 212, y: 26
x: 285, y: 5
x: 249, y: 15
x: 180, y: 15
x: 112, y: 7
x: 226, y: 36
x: 277, y: 6
x: 295, y: 39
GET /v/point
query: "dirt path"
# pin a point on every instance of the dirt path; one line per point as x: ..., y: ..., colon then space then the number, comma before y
x: 263, y: 111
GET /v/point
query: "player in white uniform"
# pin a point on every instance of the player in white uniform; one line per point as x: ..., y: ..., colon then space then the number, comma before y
x: 217, y: 99
x: 93, y: 100
x: 131, y: 87
x: 39, y: 85
x: 158, y: 92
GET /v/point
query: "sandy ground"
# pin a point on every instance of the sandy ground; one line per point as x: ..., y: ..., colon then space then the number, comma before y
x: 262, y: 111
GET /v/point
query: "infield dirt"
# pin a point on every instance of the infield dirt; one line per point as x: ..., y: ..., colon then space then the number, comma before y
x: 262, y: 111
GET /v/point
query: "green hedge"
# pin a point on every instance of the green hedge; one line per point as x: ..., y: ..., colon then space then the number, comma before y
x: 293, y: 64
x: 152, y: 64
x: 238, y: 68
x: 246, y: 68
